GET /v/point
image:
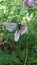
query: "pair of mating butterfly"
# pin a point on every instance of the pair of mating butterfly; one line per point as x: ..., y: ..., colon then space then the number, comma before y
x: 21, y: 29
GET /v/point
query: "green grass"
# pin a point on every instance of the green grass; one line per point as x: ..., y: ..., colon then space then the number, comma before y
x: 23, y: 52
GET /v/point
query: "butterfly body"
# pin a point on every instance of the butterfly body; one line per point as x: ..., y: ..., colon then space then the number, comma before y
x: 19, y: 26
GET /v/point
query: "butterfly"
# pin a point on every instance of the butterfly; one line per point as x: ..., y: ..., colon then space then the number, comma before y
x: 21, y: 29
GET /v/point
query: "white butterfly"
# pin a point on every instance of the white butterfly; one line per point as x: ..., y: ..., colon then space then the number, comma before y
x: 12, y: 26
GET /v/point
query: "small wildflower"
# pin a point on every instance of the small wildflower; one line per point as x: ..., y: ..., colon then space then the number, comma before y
x: 29, y: 2
x: 35, y: 2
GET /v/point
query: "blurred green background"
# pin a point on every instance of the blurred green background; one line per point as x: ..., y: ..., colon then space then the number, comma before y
x: 23, y: 52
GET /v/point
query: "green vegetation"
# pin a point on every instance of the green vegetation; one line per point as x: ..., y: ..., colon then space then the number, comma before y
x: 23, y: 52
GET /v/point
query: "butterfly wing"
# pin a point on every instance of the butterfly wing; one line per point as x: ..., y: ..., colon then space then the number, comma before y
x: 10, y: 26
x: 17, y: 35
x: 23, y: 29
x: 5, y: 24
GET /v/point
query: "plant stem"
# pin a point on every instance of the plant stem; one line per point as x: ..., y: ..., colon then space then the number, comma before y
x: 26, y: 54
